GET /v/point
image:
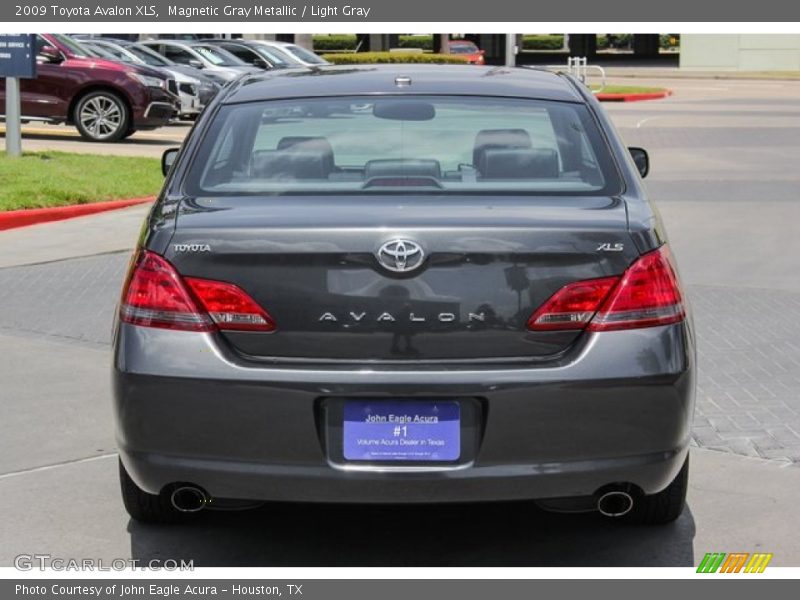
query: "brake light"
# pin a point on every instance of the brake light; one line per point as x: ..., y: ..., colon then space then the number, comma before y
x: 573, y: 306
x: 647, y: 294
x: 229, y: 306
x: 155, y: 295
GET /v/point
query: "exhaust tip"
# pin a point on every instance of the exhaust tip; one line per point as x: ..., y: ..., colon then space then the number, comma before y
x: 615, y: 503
x: 188, y: 499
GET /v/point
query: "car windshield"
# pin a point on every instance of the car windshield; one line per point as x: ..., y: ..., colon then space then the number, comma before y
x: 218, y: 56
x: 463, y: 48
x: 282, y: 55
x: 305, y: 55
x: 409, y: 144
x: 94, y: 50
x: 154, y: 59
x: 74, y: 46
x: 116, y: 52
x: 277, y: 59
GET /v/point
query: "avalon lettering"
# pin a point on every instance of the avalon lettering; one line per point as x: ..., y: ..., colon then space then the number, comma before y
x: 444, y: 317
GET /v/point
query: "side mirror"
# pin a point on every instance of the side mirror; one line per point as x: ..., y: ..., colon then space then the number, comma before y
x: 641, y: 159
x: 50, y: 54
x: 261, y: 63
x: 193, y: 62
x: 168, y: 159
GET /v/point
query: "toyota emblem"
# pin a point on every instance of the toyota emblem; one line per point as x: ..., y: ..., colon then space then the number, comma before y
x: 400, y: 256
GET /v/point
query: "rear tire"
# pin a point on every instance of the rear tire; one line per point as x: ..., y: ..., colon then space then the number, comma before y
x: 144, y: 507
x: 663, y: 507
x: 102, y: 116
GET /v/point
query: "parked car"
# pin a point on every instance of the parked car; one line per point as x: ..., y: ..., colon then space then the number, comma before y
x: 154, y: 59
x: 460, y: 294
x: 106, y: 100
x: 290, y: 53
x: 255, y: 53
x: 467, y: 49
x: 195, y: 92
x: 201, y: 55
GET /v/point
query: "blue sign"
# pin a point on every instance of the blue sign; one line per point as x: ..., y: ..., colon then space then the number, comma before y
x: 18, y: 55
x: 380, y: 430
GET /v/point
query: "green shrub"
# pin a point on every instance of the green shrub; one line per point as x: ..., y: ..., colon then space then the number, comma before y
x: 425, y: 42
x: 363, y: 58
x: 621, y: 40
x: 347, y: 42
x: 669, y: 40
x: 334, y: 42
x: 542, y: 42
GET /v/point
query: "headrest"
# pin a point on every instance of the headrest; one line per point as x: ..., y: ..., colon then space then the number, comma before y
x: 499, y: 138
x: 299, y: 143
x: 288, y: 164
x: 518, y: 163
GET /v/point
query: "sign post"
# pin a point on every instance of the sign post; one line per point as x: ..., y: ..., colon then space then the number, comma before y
x: 17, y: 60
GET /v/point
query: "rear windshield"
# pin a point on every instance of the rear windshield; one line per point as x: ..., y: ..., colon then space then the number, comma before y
x: 420, y: 144
x: 463, y: 48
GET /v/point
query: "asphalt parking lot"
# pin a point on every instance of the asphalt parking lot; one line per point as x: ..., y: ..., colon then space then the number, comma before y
x: 724, y: 173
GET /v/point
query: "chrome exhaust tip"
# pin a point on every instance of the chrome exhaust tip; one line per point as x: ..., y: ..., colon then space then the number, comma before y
x: 614, y: 503
x: 188, y: 499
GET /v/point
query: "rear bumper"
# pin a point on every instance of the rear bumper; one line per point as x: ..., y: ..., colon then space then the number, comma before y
x: 618, y: 409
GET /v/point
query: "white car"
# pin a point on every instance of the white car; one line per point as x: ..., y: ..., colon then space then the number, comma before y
x: 294, y: 53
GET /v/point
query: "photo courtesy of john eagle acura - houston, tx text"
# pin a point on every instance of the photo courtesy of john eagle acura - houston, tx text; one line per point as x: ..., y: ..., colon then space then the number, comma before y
x: 404, y: 284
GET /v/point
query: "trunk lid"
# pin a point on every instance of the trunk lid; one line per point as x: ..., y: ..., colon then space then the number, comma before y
x: 313, y: 264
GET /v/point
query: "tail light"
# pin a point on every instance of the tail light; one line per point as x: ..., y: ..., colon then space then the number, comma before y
x: 647, y: 294
x: 573, y: 306
x: 155, y: 295
x: 229, y: 306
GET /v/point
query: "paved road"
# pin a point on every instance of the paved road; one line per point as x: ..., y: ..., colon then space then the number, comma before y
x: 724, y: 174
x: 726, y: 181
x: 38, y: 137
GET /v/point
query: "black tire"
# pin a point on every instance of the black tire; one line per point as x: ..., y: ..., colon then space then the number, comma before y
x: 663, y: 507
x: 129, y: 133
x: 102, y: 116
x: 144, y: 507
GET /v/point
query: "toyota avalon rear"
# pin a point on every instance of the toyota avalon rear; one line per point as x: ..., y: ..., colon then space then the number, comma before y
x: 394, y: 285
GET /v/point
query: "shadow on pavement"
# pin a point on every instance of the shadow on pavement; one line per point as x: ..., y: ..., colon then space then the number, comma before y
x: 500, y: 534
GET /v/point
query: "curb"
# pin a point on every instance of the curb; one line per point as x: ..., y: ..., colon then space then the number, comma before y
x: 632, y: 97
x: 33, y: 216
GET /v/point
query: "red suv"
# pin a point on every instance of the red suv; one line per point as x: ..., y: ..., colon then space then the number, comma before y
x: 106, y: 100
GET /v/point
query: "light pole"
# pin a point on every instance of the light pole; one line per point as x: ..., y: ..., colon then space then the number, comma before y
x: 511, y: 47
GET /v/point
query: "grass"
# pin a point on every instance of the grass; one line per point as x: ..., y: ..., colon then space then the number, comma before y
x: 628, y: 89
x: 44, y: 179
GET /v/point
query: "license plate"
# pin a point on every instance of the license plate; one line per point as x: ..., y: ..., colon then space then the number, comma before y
x: 383, y: 430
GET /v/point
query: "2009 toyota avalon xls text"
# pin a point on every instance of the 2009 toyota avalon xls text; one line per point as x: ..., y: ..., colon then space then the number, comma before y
x: 405, y: 284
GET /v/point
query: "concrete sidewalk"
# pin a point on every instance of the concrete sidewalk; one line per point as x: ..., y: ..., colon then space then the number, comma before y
x: 676, y: 73
x: 111, y: 231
